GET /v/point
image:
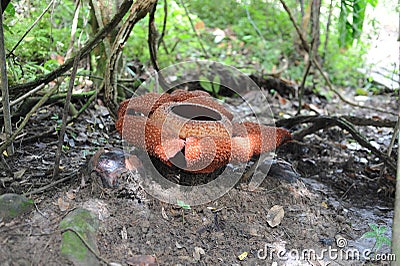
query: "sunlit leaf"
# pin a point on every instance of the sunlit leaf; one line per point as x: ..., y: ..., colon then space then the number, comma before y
x: 10, y: 9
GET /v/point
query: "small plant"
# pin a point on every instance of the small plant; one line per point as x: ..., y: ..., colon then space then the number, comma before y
x: 184, y: 207
x: 211, y: 86
x: 379, y: 234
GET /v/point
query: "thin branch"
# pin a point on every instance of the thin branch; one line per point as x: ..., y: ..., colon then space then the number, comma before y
x: 362, y: 121
x: 138, y: 11
x: 4, y: 4
x: 253, y: 24
x: 99, y: 19
x: 152, y: 38
x: 153, y: 48
x: 65, y: 117
x: 358, y: 121
x: 23, y: 97
x: 4, y: 88
x: 85, y: 50
x: 50, y: 131
x: 194, y: 30
x: 305, y: 74
x: 318, y: 66
x: 74, y: 26
x: 164, y: 23
x: 31, y: 27
x: 328, y: 25
x: 321, y: 122
x: 52, y: 184
x: 26, y: 119
x: 302, y: 85
x: 394, y: 137
x: 298, y: 30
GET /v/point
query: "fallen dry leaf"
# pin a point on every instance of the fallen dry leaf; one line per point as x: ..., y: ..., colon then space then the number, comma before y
x: 139, y: 260
x: 63, y: 204
x: 275, y: 215
x: 197, y: 253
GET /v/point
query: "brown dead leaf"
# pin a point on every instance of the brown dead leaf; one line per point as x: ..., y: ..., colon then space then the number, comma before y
x: 70, y: 195
x: 199, y: 25
x: 275, y: 215
x: 197, y: 253
x: 18, y: 174
x: 139, y: 260
x: 63, y: 204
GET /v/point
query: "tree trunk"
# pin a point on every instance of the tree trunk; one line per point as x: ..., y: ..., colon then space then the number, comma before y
x: 102, y: 11
x: 138, y: 11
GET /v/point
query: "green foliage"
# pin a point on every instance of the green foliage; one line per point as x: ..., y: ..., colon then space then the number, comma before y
x: 49, y: 37
x: 252, y: 35
x: 183, y: 205
x: 211, y: 86
x: 377, y: 233
x: 351, y: 20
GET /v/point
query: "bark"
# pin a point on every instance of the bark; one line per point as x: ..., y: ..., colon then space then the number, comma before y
x: 138, y: 11
x: 4, y: 88
x: 102, y: 12
x: 85, y: 50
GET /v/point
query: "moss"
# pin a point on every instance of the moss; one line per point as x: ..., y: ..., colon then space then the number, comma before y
x: 85, y: 223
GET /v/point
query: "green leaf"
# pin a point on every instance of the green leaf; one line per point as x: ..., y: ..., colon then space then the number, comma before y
x: 344, y: 11
x: 185, y: 36
x: 183, y: 205
x: 359, y: 7
x: 206, y: 84
x: 378, y: 244
x: 374, y: 227
x: 369, y: 235
x: 387, y: 241
x: 373, y: 3
x: 10, y: 9
x: 50, y: 64
x: 382, y: 230
x: 361, y: 91
x: 7, y: 28
x: 216, y: 83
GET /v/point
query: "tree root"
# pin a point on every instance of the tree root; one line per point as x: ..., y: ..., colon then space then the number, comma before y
x: 344, y: 122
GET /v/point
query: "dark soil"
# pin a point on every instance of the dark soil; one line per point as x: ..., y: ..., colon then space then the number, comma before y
x: 341, y: 189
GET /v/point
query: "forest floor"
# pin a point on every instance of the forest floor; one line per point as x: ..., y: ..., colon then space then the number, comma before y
x: 339, y: 192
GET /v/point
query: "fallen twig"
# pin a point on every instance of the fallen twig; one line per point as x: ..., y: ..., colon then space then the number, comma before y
x: 26, y: 95
x: 357, y: 121
x: 26, y: 119
x: 52, y: 184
